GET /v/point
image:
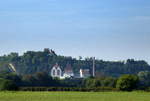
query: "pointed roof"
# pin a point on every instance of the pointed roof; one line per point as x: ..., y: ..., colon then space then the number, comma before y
x: 56, y: 66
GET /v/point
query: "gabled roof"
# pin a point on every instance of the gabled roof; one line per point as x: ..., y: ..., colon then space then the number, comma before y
x: 56, y: 66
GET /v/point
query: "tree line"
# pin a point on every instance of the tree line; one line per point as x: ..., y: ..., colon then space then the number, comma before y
x: 33, y: 73
x: 41, y: 81
x: 36, y: 61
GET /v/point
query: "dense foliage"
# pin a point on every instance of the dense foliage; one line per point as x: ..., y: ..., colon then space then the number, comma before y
x: 100, y: 82
x: 7, y: 85
x: 144, y: 78
x: 41, y: 81
x: 32, y: 71
x: 127, y: 82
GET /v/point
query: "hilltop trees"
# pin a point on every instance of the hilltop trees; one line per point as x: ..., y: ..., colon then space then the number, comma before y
x: 42, y: 61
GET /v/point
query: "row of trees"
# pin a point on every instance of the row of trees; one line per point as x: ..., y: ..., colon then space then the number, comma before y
x: 32, y: 62
x: 11, y: 81
x: 124, y: 83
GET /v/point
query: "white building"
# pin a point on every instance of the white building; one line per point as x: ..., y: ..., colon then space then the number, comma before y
x: 56, y: 71
x: 84, y: 73
x: 68, y: 72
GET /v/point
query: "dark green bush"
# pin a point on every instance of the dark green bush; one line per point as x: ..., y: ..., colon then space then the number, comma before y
x: 7, y: 85
x: 127, y: 82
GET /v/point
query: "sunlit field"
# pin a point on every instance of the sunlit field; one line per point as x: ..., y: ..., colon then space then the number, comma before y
x: 74, y: 96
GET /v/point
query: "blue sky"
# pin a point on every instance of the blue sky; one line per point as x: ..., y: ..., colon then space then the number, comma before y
x: 107, y: 29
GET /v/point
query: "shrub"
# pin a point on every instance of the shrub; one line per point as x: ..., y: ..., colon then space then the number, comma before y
x: 7, y: 85
x: 127, y: 82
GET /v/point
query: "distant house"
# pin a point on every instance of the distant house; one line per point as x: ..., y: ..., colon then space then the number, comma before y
x: 56, y: 71
x: 68, y: 72
x: 84, y: 73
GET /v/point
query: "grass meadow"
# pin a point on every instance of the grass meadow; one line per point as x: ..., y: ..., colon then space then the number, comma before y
x: 74, y: 96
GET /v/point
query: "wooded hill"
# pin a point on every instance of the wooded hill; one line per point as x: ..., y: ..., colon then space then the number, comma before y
x: 42, y: 61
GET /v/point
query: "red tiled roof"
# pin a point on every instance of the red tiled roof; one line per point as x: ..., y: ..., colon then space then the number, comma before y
x: 68, y: 68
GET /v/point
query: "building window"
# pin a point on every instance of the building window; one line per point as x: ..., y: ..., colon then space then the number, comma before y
x: 58, y: 72
x: 53, y: 72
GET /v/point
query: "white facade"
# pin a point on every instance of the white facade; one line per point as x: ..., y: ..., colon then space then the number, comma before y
x: 81, y: 73
x: 84, y: 73
x: 56, y: 71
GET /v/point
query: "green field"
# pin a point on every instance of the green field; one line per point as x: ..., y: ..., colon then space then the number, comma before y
x: 74, y: 96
